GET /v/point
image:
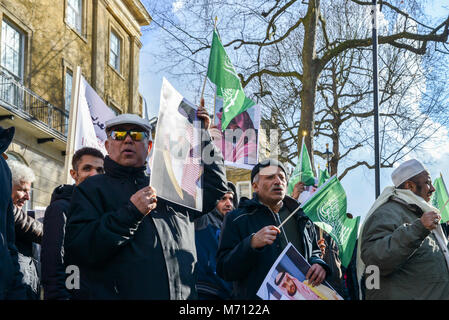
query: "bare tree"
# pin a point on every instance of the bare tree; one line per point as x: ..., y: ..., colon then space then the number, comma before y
x: 310, y: 63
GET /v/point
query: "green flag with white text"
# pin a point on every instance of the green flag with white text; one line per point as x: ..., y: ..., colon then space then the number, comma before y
x: 440, y: 197
x: 229, y: 89
x: 327, y: 209
x: 303, y: 171
x: 324, y: 176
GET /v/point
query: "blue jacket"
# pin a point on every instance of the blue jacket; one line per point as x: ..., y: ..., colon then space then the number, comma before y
x: 207, y: 233
x: 248, y: 267
x: 11, y: 286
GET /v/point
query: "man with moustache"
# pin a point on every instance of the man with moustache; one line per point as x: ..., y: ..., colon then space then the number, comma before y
x: 402, y: 237
x: 207, y: 233
x: 127, y: 242
x: 251, y: 241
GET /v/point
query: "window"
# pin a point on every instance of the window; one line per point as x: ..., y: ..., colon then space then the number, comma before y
x: 244, y: 189
x: 68, y: 89
x: 12, y: 53
x: 67, y: 98
x: 114, y: 51
x: 74, y: 14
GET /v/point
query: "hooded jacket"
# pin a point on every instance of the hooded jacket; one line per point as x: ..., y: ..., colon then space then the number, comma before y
x: 123, y: 254
x: 237, y: 261
x: 52, y: 251
x: 11, y: 286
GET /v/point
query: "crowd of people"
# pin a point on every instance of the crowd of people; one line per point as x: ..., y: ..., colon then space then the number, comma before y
x: 125, y: 242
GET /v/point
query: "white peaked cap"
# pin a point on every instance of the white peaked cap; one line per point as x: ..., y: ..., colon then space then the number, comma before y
x: 128, y: 118
x: 406, y: 170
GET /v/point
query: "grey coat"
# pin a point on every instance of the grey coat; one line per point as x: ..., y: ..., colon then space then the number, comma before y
x: 411, y: 264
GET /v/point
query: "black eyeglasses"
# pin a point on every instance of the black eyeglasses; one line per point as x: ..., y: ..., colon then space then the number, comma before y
x: 121, y: 135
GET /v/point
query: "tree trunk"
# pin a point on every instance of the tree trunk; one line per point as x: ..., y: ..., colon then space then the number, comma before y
x: 310, y: 77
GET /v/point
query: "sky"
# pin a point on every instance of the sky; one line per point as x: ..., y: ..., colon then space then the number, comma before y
x: 359, y: 183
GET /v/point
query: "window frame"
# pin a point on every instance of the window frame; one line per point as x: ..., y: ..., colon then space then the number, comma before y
x: 119, y: 37
x: 83, y: 19
x: 20, y: 77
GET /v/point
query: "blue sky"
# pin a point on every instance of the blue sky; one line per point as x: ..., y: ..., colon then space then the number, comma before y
x: 359, y: 183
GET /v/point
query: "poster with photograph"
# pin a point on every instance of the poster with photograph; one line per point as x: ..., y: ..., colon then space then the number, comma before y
x: 286, y: 280
x: 239, y: 142
x: 177, y: 168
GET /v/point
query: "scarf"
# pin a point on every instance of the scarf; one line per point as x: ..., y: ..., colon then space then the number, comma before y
x: 409, y: 197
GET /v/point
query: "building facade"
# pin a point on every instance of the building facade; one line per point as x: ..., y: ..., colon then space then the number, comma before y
x: 42, y: 43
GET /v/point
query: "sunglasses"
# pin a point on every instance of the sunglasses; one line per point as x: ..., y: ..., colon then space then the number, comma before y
x: 121, y: 135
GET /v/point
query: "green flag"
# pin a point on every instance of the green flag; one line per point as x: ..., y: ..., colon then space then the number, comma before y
x: 229, y: 89
x: 327, y: 209
x: 440, y: 197
x: 303, y: 170
x: 324, y: 176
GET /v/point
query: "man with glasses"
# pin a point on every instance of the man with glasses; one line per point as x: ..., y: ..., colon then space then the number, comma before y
x: 127, y: 242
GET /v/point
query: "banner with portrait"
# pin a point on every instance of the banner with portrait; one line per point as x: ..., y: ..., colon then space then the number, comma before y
x: 177, y: 168
x: 286, y: 280
x: 239, y: 142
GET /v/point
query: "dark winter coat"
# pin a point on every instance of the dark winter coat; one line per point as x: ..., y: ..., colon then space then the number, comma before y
x: 11, y: 286
x: 237, y: 261
x: 52, y: 252
x: 123, y: 254
x: 207, y: 232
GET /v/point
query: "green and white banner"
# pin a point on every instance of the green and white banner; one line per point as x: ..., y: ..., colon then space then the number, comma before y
x: 303, y: 171
x: 324, y: 176
x: 440, y: 198
x: 327, y: 209
x: 229, y: 89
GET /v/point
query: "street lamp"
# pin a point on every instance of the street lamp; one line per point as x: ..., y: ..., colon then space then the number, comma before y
x: 329, y: 156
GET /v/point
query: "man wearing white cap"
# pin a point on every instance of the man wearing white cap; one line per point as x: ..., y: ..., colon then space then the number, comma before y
x: 403, y: 238
x: 127, y: 242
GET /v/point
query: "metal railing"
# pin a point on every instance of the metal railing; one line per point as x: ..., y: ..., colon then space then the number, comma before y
x: 15, y: 95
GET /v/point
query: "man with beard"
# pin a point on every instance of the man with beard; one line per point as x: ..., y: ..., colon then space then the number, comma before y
x: 402, y: 237
x: 207, y: 233
x: 86, y: 162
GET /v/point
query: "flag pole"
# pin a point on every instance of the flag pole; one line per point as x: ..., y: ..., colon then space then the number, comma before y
x: 376, y: 101
x: 72, y: 125
x: 205, y: 78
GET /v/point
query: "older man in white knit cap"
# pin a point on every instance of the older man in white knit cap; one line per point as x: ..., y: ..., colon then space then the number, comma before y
x: 402, y: 236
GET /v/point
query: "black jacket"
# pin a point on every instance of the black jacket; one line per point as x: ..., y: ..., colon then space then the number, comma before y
x: 124, y: 255
x: 52, y: 252
x: 11, y: 286
x: 248, y: 267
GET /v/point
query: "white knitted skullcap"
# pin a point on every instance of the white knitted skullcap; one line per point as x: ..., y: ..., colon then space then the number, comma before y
x: 406, y: 170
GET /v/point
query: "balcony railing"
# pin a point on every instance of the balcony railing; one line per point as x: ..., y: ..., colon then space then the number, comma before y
x: 16, y: 96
